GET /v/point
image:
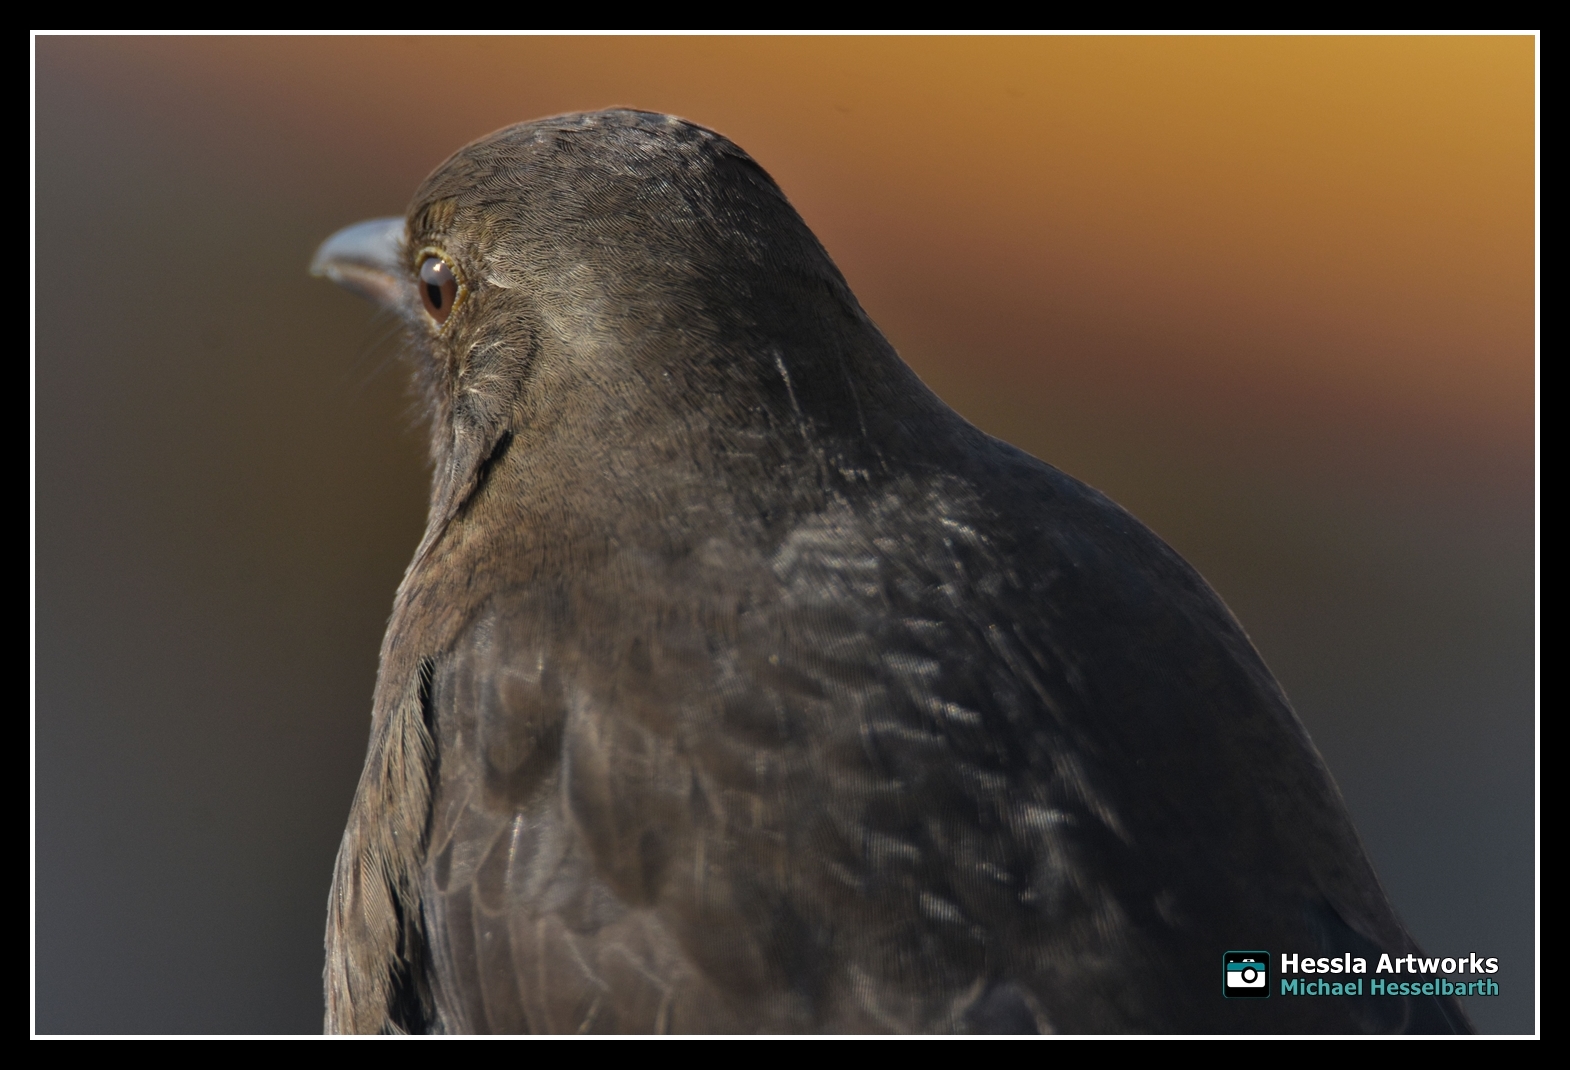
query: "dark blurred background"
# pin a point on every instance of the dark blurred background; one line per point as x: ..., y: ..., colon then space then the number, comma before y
x: 1274, y: 295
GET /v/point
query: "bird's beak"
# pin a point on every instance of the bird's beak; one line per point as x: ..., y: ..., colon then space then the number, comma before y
x: 367, y: 259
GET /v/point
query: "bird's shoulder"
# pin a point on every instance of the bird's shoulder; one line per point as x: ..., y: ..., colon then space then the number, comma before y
x: 838, y: 774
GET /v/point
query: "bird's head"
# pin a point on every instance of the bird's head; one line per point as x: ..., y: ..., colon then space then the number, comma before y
x: 610, y: 290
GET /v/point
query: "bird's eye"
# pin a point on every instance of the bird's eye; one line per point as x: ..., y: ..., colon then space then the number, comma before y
x: 438, y: 287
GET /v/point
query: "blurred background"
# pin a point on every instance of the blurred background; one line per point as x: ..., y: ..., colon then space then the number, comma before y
x: 1274, y: 295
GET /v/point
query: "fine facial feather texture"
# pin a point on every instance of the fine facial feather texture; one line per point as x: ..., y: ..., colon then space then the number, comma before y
x: 738, y: 684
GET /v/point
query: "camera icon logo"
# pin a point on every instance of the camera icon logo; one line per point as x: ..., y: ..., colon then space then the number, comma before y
x: 1246, y: 974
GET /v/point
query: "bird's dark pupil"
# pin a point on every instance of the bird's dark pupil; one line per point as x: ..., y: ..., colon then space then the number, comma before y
x: 434, y: 295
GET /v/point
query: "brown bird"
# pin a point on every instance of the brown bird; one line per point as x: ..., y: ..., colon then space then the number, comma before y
x: 740, y: 685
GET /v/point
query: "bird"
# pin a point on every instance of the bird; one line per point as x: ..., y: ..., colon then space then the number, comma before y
x: 740, y: 685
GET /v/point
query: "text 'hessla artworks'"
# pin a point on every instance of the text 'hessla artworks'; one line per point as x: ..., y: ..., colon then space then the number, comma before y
x: 1246, y: 975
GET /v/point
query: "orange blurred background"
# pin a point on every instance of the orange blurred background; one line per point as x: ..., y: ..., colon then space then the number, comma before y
x: 1274, y: 294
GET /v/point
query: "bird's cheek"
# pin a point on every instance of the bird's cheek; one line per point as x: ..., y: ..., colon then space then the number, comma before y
x: 487, y: 379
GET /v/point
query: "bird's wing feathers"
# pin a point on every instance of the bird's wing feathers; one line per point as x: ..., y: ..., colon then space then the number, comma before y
x: 781, y: 803
x: 864, y: 783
